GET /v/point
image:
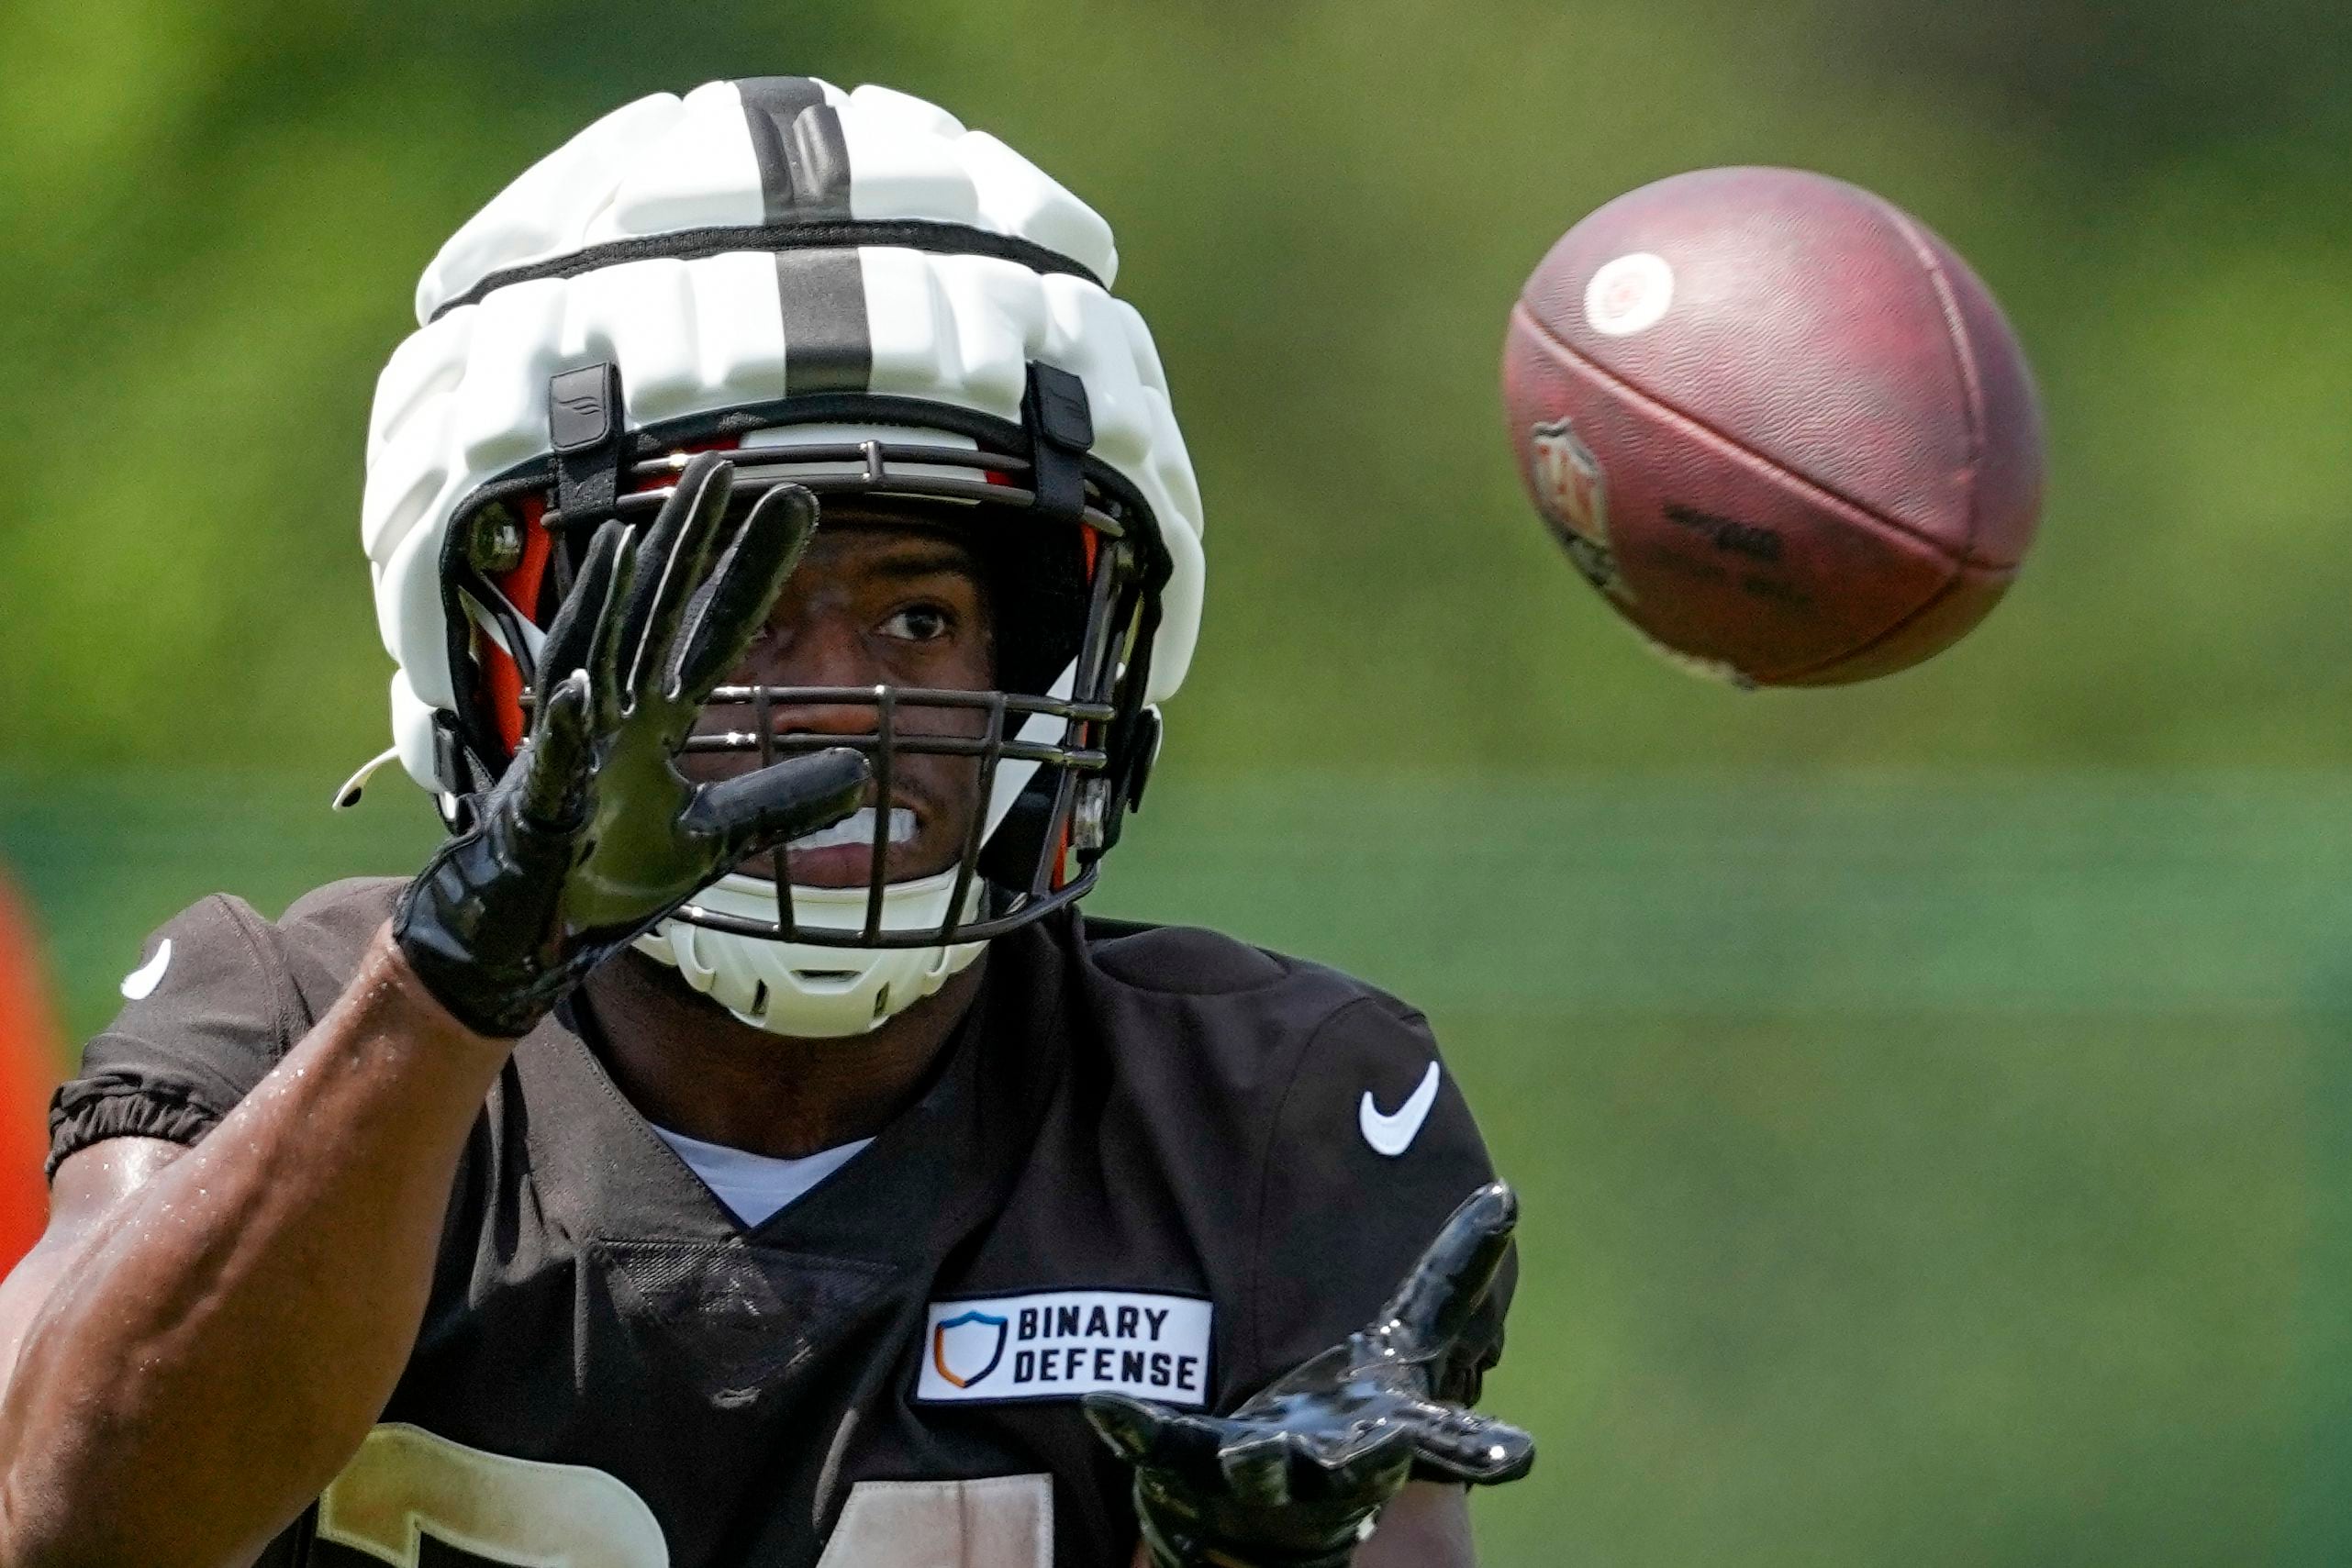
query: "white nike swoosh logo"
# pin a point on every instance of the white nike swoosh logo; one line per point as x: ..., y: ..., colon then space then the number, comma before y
x: 1393, y: 1134
x: 140, y: 982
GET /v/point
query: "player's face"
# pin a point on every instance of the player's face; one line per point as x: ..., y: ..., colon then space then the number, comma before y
x: 874, y: 602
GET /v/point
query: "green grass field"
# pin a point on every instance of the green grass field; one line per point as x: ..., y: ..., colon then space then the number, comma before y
x: 1918, y: 1172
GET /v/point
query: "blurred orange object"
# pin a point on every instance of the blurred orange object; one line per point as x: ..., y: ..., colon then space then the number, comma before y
x: 30, y: 1045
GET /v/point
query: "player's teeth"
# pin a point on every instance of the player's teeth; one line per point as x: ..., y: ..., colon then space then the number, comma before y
x: 857, y: 827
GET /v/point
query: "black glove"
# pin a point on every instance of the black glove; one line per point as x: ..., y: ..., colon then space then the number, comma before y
x: 1296, y: 1477
x: 592, y: 836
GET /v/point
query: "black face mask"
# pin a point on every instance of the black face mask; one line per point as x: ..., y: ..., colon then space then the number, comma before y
x: 1074, y: 567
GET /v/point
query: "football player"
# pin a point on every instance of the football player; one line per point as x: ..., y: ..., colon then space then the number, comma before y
x: 734, y: 1147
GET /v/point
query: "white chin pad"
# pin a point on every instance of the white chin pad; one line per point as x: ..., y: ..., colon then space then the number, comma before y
x: 803, y: 990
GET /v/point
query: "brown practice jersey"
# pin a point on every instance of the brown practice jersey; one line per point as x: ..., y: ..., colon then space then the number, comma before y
x: 1151, y: 1160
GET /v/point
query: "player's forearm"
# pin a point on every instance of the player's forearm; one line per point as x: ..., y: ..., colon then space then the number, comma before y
x: 1427, y: 1527
x: 218, y: 1347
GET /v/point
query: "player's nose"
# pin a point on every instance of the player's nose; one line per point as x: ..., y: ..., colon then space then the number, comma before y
x: 823, y: 651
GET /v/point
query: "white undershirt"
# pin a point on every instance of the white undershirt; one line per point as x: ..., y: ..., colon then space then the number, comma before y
x: 757, y: 1185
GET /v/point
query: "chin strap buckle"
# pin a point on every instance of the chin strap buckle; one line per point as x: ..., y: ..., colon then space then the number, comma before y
x: 1061, y: 427
x: 1143, y: 750
x: 460, y: 771
x: 1106, y: 799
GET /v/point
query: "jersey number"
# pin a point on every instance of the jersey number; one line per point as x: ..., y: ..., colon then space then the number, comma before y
x: 405, y: 1485
x: 407, y: 1488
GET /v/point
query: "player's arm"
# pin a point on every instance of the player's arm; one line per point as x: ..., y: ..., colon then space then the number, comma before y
x: 1428, y: 1526
x: 201, y: 1338
x: 206, y: 1339
x: 87, y: 1185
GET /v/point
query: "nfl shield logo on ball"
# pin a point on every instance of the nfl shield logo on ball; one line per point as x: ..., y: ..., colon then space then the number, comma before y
x: 1569, y: 487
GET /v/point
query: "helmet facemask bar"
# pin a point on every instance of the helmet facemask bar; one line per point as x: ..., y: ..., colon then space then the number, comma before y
x: 1058, y: 757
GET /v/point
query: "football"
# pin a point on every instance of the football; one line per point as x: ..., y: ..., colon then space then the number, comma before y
x: 1777, y: 423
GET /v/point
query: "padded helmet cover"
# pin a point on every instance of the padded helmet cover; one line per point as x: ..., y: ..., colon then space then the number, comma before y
x: 750, y: 243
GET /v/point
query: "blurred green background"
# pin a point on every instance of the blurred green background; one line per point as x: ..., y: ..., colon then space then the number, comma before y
x: 1929, y: 1097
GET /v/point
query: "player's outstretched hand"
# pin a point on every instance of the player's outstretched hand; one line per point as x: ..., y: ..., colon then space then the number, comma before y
x: 593, y: 835
x: 1296, y: 1477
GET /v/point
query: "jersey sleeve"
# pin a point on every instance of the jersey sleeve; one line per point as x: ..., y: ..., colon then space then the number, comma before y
x: 209, y: 1012
x: 1364, y: 1169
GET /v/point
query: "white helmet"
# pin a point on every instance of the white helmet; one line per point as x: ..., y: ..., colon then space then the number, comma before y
x: 872, y: 299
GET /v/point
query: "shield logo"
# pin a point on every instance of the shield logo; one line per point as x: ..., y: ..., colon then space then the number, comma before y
x: 1573, y: 497
x: 966, y: 1349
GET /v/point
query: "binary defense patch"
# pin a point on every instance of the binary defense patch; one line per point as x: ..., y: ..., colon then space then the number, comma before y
x: 1058, y: 1344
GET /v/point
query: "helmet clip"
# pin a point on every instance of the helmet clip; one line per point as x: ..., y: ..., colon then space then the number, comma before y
x: 587, y: 430
x: 1061, y: 429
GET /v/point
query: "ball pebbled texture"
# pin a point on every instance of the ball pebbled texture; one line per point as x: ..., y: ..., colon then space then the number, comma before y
x: 1778, y: 422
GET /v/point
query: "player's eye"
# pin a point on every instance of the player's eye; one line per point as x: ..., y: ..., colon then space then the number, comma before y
x: 920, y: 623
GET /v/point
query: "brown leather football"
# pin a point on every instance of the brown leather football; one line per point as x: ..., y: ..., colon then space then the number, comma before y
x: 1779, y: 424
